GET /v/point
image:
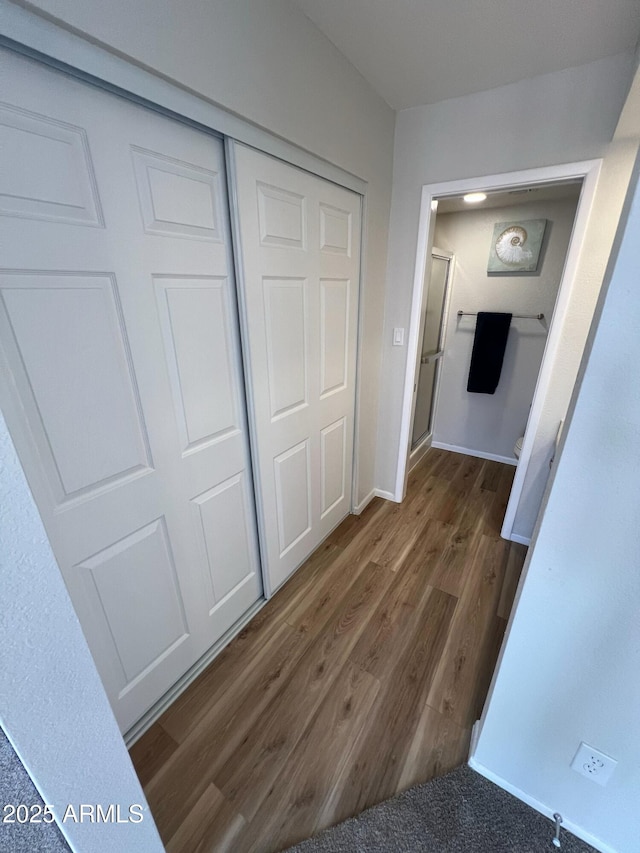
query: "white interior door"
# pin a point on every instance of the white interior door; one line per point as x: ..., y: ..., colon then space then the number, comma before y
x: 121, y: 373
x: 300, y: 254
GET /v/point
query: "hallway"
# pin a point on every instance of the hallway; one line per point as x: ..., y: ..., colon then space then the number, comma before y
x: 361, y: 677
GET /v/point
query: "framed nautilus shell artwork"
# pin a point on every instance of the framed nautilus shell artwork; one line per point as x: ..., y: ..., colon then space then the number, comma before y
x: 515, y: 246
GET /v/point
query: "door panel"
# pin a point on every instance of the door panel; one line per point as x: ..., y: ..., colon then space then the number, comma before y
x: 285, y: 312
x: 300, y: 239
x: 431, y: 344
x: 334, y: 334
x: 59, y: 184
x: 140, y: 562
x: 121, y: 374
x: 197, y: 340
x: 177, y: 199
x: 333, y: 471
x: 70, y: 325
x: 293, y: 495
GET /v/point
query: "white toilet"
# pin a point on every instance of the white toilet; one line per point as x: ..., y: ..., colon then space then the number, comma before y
x: 517, y: 450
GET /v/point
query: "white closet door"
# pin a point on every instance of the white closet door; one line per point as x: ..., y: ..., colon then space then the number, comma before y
x: 121, y: 373
x: 300, y: 248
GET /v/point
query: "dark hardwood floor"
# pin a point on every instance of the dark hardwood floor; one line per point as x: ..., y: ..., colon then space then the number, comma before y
x: 359, y: 678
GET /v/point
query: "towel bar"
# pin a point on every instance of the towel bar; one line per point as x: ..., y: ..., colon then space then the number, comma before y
x: 515, y: 316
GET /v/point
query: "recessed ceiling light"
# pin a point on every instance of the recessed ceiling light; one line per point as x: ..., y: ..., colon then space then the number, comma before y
x: 474, y: 198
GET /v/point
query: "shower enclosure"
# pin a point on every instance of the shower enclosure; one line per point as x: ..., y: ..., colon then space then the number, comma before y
x: 431, y: 348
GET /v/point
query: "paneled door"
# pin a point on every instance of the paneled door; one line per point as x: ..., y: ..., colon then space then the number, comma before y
x: 300, y: 255
x: 121, y: 373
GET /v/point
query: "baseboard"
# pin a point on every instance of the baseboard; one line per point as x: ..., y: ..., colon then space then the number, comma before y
x: 475, y: 734
x: 469, y: 451
x: 387, y: 496
x: 359, y: 508
x: 541, y: 807
x: 155, y: 712
x: 522, y: 540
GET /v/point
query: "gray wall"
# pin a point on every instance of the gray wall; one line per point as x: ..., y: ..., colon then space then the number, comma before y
x: 492, y: 423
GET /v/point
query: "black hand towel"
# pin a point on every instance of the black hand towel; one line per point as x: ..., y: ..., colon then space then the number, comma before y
x: 489, y: 344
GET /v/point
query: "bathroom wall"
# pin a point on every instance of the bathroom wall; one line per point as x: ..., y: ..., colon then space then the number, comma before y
x: 486, y: 424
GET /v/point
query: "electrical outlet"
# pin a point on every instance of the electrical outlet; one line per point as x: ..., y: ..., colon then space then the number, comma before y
x: 593, y: 764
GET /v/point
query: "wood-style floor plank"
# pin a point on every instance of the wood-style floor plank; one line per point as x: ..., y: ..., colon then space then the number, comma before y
x: 175, y: 789
x: 362, y: 676
x: 380, y: 759
x: 210, y: 827
x: 150, y: 753
x: 202, y: 697
x: 446, y: 464
x: 451, y: 550
x: 393, y: 547
x: 512, y: 572
x: 438, y: 745
x: 493, y: 519
x: 490, y: 478
x: 291, y: 808
x: 463, y: 663
x: 353, y: 524
x: 247, y: 775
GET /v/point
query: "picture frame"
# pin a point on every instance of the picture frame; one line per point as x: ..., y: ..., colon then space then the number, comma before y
x: 516, y: 245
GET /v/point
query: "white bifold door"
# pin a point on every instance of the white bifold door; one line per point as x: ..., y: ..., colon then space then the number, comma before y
x: 121, y: 374
x: 299, y: 248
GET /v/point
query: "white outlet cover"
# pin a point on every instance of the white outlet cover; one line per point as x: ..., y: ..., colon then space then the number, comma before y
x: 593, y: 764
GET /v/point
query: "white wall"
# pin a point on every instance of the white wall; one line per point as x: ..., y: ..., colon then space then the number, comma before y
x: 491, y: 423
x: 607, y: 206
x: 556, y: 118
x: 53, y: 707
x: 569, y: 671
x: 265, y: 61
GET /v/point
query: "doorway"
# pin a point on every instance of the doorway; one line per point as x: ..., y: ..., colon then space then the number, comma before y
x: 438, y: 202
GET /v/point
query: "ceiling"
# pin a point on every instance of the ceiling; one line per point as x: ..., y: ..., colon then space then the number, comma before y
x: 522, y: 195
x: 416, y: 52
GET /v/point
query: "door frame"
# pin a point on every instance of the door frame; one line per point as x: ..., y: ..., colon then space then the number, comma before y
x: 416, y: 453
x: 586, y: 170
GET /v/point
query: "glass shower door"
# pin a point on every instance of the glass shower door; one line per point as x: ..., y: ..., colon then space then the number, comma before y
x: 431, y: 349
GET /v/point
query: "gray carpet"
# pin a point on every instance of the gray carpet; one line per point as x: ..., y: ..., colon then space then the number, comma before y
x: 16, y: 787
x: 459, y: 813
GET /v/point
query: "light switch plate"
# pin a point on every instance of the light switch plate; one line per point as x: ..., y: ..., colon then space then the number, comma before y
x: 398, y: 337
